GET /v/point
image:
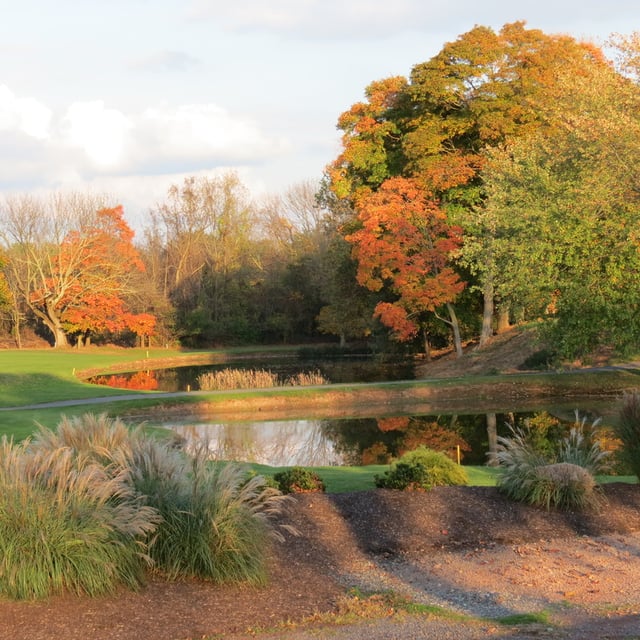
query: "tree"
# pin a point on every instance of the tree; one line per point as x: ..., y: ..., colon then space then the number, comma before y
x: 71, y: 260
x: 201, y: 252
x: 566, y: 208
x: 404, y: 242
x: 480, y: 92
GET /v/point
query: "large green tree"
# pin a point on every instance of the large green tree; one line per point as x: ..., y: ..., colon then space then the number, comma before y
x: 565, y: 207
x: 480, y: 94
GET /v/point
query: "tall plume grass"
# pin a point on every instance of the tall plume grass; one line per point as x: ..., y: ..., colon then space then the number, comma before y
x: 230, y: 379
x: 94, y: 505
x: 215, y: 520
x: 565, y: 481
x: 66, y: 526
x: 627, y: 429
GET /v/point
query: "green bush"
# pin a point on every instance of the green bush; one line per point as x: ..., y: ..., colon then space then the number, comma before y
x: 299, y: 480
x: 627, y: 430
x: 565, y: 482
x: 541, y: 360
x: 420, y: 470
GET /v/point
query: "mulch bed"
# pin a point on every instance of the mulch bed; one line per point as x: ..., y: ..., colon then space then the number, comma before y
x: 337, y: 533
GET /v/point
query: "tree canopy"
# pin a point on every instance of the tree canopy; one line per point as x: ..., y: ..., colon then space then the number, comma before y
x: 528, y: 142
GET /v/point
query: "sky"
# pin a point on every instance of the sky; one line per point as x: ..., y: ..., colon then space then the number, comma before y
x: 128, y: 97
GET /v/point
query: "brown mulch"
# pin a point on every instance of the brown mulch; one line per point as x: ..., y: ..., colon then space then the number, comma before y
x: 342, y: 536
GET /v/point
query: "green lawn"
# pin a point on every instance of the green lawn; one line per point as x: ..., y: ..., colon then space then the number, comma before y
x: 39, y: 376
x: 341, y: 479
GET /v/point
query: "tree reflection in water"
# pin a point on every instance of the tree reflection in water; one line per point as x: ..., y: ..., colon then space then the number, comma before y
x: 362, y: 441
x: 276, y: 443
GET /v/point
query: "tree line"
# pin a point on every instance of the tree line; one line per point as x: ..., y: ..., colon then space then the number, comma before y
x: 497, y: 183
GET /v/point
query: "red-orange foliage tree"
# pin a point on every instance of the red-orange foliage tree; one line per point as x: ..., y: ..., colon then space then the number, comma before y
x: 405, y: 243
x: 94, y: 302
x: 71, y: 261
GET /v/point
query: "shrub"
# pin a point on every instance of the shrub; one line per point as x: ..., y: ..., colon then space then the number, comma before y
x: 540, y: 360
x: 565, y: 482
x: 299, y: 480
x: 627, y: 429
x: 422, y: 469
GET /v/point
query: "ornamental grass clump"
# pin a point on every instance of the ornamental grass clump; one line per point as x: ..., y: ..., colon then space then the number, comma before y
x: 230, y: 379
x: 95, y: 505
x: 627, y: 429
x: 564, y: 482
x: 66, y: 525
x: 420, y: 470
x: 215, y: 518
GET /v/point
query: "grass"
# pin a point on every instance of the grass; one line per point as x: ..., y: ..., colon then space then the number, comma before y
x: 343, y: 479
x: 38, y: 376
x: 231, y: 379
x: 66, y: 524
x: 541, y: 617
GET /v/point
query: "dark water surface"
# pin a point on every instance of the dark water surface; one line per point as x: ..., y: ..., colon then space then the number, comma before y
x: 374, y: 439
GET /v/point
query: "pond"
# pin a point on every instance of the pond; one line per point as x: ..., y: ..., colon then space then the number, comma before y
x: 374, y: 439
x: 334, y: 370
x: 371, y: 440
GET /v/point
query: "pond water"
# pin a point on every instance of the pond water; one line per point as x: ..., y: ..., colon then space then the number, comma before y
x: 371, y: 440
x: 335, y: 371
x: 375, y: 439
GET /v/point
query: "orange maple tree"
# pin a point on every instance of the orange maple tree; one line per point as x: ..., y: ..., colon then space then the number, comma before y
x: 84, y: 291
x: 405, y: 243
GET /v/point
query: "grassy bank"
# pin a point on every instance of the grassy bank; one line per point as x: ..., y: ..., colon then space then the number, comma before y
x: 31, y: 377
x: 343, y: 479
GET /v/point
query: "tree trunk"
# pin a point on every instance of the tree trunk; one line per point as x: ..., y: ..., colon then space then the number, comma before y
x: 487, y: 313
x: 15, y: 328
x: 503, y: 319
x: 455, y: 327
x: 492, y: 434
x: 427, y: 345
x: 51, y: 319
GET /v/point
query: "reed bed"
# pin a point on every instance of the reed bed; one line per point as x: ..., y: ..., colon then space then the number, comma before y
x: 230, y: 379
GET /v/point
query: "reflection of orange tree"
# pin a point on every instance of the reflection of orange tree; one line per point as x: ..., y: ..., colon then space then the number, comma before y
x: 141, y: 381
x: 413, y: 432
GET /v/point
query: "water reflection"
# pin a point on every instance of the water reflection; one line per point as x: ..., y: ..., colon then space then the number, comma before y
x: 276, y: 443
x: 363, y: 441
x: 334, y: 371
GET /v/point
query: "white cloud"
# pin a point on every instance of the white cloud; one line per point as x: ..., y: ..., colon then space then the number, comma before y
x: 100, y: 132
x: 199, y: 132
x: 374, y: 19
x: 26, y: 115
x: 90, y: 141
x: 324, y: 18
x: 166, y: 61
